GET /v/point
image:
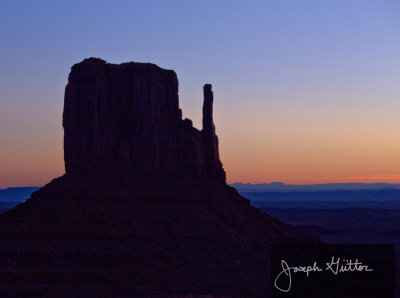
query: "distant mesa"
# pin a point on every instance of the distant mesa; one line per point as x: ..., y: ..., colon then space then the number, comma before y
x: 143, y: 208
x: 278, y: 186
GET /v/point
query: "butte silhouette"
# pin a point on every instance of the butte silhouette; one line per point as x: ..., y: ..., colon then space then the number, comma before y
x: 143, y: 208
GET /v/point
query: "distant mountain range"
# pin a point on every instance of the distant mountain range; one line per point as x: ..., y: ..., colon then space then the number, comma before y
x: 21, y: 194
x: 16, y: 194
x: 281, y: 187
x: 269, y: 192
x: 12, y: 196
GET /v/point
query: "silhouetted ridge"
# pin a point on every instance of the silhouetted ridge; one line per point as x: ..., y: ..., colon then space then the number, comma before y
x: 143, y: 208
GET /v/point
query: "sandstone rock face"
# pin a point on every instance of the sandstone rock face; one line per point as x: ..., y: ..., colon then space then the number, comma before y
x: 143, y: 208
x: 212, y: 163
x: 126, y: 119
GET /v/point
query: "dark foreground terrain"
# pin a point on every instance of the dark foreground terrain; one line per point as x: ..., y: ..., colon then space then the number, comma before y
x: 357, y: 216
x: 334, y: 216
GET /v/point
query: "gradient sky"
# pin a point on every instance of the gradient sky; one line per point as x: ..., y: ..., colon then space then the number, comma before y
x: 305, y: 91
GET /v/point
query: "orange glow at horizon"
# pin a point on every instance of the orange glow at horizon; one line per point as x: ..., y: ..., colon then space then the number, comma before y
x: 270, y: 143
x: 274, y: 137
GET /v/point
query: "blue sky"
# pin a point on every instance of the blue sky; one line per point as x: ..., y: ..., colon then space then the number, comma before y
x: 297, y: 83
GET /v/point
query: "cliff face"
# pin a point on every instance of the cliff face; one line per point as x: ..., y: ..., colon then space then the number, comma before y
x: 126, y: 119
x: 143, y: 208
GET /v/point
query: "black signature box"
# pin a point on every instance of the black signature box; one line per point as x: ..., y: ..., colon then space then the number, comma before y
x: 333, y: 270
